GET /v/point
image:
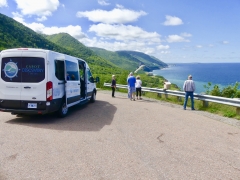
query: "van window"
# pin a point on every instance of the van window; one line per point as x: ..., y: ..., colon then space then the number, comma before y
x: 72, y: 71
x: 59, y: 69
x: 23, y: 69
x: 33, y: 69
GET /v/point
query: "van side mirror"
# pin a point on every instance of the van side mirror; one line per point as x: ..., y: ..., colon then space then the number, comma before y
x: 91, y: 79
x: 97, y: 80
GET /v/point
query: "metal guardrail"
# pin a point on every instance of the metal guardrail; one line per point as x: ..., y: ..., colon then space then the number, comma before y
x: 179, y: 94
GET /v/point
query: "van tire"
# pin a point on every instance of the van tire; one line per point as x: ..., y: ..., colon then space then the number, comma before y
x: 63, y: 109
x: 93, y: 97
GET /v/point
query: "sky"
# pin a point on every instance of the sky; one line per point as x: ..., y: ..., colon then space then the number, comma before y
x: 174, y: 31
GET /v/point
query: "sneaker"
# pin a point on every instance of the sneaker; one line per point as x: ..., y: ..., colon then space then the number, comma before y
x: 134, y: 99
x: 193, y: 109
x: 140, y: 98
x: 184, y: 108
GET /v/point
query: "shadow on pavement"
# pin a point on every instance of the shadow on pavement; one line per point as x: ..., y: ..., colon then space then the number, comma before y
x: 89, y: 117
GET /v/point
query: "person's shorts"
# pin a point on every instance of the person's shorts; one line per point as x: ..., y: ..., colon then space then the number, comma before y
x: 132, y: 89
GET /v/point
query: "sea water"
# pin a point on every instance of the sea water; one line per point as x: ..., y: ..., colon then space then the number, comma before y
x: 221, y: 74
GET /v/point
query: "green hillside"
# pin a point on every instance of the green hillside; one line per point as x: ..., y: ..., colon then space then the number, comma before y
x: 130, y: 60
x: 121, y: 61
x: 150, y: 62
x: 14, y: 35
x: 65, y: 40
x: 68, y: 42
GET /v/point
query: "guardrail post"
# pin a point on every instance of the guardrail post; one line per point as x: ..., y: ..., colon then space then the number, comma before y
x: 179, y: 98
x: 205, y: 103
x: 238, y: 110
x: 159, y: 95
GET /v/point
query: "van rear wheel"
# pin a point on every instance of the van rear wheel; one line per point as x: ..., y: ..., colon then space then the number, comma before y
x: 63, y: 110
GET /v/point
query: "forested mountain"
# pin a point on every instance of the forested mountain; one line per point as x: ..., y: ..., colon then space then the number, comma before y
x: 130, y: 60
x: 14, y: 35
x: 73, y: 45
x: 70, y: 43
x: 115, y: 58
x: 150, y: 62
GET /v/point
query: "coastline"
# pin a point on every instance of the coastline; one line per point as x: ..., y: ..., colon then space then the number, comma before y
x: 221, y: 74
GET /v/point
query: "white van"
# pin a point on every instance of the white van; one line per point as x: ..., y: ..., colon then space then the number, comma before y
x: 37, y: 81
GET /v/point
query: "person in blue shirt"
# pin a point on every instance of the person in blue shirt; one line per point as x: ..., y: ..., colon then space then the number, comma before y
x: 131, y: 86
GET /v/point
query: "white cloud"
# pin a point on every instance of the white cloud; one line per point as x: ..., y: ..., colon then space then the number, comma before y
x: 111, y: 17
x: 199, y: 46
x: 43, y: 18
x: 3, y: 3
x: 225, y: 42
x: 172, y: 21
x: 165, y: 52
x: 42, y: 8
x: 118, y: 45
x: 210, y: 45
x: 124, y: 33
x: 186, y: 35
x: 119, y: 6
x: 103, y: 3
x: 176, y: 38
x: 160, y: 47
x: 18, y: 17
x: 74, y: 31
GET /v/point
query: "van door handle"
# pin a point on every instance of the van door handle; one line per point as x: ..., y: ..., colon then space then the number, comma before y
x: 61, y: 83
x: 78, y: 84
x: 27, y: 87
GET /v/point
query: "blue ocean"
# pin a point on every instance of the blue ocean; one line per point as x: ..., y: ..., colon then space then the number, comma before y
x: 222, y: 74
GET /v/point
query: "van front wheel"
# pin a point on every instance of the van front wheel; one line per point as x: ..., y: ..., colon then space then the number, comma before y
x: 63, y: 110
x: 93, y: 98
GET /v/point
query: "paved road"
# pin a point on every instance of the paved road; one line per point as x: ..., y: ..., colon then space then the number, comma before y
x: 116, y: 138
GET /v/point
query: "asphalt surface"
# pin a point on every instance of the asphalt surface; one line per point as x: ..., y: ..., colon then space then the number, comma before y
x: 115, y: 138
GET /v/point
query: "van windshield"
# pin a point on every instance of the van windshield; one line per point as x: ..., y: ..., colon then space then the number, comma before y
x: 23, y: 69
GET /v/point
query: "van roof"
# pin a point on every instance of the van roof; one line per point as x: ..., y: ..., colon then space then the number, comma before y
x: 38, y: 49
x: 22, y: 49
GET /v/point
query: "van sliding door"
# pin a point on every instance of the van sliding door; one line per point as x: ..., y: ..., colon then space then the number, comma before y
x: 72, y: 86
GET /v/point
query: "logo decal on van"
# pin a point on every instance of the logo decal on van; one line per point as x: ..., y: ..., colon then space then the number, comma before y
x: 10, y: 69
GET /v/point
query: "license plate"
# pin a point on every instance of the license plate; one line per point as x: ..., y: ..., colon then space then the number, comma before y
x: 32, y: 105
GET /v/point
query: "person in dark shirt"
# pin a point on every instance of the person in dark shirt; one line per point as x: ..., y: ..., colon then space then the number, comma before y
x: 113, y: 85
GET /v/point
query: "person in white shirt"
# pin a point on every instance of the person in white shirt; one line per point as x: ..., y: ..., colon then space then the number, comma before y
x: 189, y: 88
x: 138, y: 86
